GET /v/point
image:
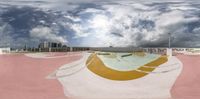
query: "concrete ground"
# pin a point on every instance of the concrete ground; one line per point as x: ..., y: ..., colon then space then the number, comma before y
x: 87, y: 85
x: 23, y: 77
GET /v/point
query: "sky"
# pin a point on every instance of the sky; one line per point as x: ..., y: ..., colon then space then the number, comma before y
x: 100, y: 23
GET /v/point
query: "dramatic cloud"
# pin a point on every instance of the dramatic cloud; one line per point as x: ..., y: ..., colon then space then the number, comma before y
x: 47, y: 34
x: 101, y: 22
x: 29, y: 26
x: 5, y: 38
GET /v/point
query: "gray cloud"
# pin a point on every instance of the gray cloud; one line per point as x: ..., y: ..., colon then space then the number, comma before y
x: 148, y: 27
x: 5, y: 38
x: 103, y: 23
x: 47, y: 34
x: 23, y: 25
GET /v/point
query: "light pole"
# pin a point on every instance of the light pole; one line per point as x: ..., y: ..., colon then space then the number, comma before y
x: 169, y: 50
x: 169, y: 39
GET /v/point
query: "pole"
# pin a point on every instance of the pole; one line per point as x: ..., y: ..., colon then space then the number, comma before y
x: 169, y: 40
x: 169, y: 50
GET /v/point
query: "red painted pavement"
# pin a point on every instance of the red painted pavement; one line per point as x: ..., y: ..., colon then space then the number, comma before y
x: 22, y: 77
x: 187, y: 85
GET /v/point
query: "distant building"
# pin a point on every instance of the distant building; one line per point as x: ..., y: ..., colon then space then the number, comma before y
x: 79, y: 48
x: 52, y: 47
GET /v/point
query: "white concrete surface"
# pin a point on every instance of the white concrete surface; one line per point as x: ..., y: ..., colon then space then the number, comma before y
x: 85, y: 84
x: 169, y: 52
x: 69, y: 69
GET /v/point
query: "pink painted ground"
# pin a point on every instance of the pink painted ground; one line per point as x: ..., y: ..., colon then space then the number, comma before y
x: 187, y: 85
x: 23, y: 77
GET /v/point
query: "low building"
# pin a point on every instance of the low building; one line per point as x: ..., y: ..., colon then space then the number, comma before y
x: 51, y: 47
x: 79, y: 48
x: 5, y: 50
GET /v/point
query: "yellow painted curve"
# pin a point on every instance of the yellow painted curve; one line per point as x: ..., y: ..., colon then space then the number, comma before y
x: 95, y: 64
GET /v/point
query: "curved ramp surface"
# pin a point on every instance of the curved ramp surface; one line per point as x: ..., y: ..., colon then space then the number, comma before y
x: 97, y: 66
x: 87, y: 85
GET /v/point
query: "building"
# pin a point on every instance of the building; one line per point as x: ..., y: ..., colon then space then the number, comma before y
x: 79, y: 48
x: 52, y: 47
x: 5, y: 50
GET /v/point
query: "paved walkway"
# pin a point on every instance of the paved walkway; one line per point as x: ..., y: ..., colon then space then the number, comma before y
x: 187, y: 85
x: 23, y: 77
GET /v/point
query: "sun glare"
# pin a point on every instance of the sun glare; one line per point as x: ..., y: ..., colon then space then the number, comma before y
x: 100, y: 21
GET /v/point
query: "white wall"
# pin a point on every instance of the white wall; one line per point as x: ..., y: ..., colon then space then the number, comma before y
x: 4, y: 50
x: 0, y: 51
x: 169, y: 52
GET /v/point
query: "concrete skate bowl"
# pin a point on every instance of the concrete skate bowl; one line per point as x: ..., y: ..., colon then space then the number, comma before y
x: 124, y: 66
x: 119, y: 75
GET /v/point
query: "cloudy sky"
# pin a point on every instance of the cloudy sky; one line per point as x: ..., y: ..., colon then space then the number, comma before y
x: 100, y: 23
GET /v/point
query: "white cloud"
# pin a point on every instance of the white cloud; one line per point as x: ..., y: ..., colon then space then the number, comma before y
x: 75, y: 19
x: 185, y: 8
x: 197, y: 30
x: 141, y: 6
x: 99, y: 22
x: 92, y: 10
x: 79, y: 30
x: 170, y: 18
x: 134, y: 27
x: 46, y: 33
x: 120, y: 23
